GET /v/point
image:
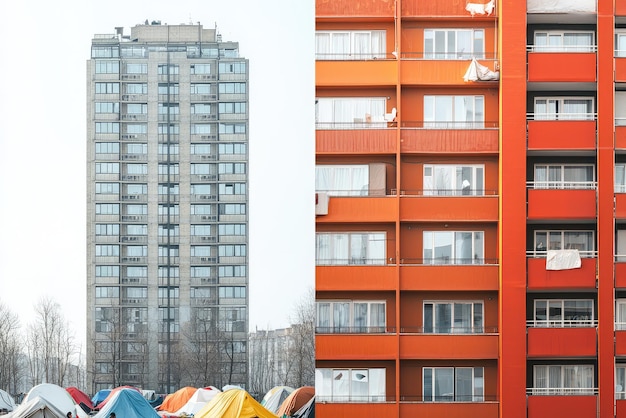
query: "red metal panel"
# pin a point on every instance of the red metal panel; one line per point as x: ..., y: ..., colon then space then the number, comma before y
x: 355, y: 347
x: 561, y: 135
x: 561, y: 204
x: 433, y: 347
x: 620, y: 205
x: 447, y: 410
x: 350, y: 8
x: 620, y: 137
x: 541, y: 279
x: 360, y: 209
x: 355, y: 141
x: 380, y: 72
x: 562, y: 406
x: 620, y: 67
x: 620, y: 410
x: 362, y: 410
x: 620, y: 344
x: 451, y: 9
x: 355, y: 278
x: 431, y: 208
x: 620, y: 275
x: 562, y: 342
x: 440, y: 73
x: 620, y: 8
x: 453, y: 141
x: 573, y: 66
x: 475, y: 277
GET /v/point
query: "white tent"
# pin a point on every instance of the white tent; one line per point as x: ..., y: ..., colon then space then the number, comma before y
x: 6, y: 401
x: 36, y: 407
x: 57, y: 396
x: 200, y: 398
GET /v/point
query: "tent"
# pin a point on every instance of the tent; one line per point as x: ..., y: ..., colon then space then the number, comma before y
x: 174, y: 401
x: 57, y: 396
x: 275, y: 397
x: 6, y: 401
x: 234, y: 403
x: 200, y: 398
x: 100, y: 396
x: 307, y: 410
x: 113, y: 392
x: 127, y: 403
x: 296, y: 400
x: 80, y: 397
x: 36, y: 407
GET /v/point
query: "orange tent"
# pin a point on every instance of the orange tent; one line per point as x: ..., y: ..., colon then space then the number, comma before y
x: 174, y: 401
x: 296, y: 400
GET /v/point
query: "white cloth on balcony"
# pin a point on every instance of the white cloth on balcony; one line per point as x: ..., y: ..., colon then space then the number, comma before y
x: 563, y: 260
x: 480, y: 8
x: 477, y: 71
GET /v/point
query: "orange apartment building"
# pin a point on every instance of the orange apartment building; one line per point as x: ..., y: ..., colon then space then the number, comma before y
x: 471, y: 235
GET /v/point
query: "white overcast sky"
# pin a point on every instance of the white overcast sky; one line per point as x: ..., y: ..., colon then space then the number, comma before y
x: 44, y: 46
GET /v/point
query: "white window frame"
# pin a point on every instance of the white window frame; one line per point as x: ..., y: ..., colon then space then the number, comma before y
x: 435, y: 327
x: 541, y: 384
x: 620, y: 174
x: 477, y: 382
x: 451, y: 45
x: 454, y: 111
x: 620, y: 381
x: 562, y: 183
x: 550, y: 243
x: 559, y: 36
x: 555, y: 108
x: 370, y: 242
x: 478, y: 251
x: 460, y: 183
x: 549, y: 322
x: 340, y: 385
x: 350, y: 112
x: 620, y: 314
x: 329, y: 45
x: 326, y: 317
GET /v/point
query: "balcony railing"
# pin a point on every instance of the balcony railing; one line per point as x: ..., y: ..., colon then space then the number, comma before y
x: 561, y: 391
x: 354, y: 193
x: 356, y: 124
x: 450, y: 261
x: 562, y: 116
x: 563, y: 323
x: 354, y: 57
x: 351, y: 261
x: 544, y: 254
x: 450, y: 124
x: 562, y: 185
x: 450, y: 330
x: 448, y: 192
x: 562, y: 48
x: 355, y: 330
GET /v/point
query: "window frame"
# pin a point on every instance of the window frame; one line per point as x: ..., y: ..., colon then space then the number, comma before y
x: 454, y: 396
x: 430, y: 52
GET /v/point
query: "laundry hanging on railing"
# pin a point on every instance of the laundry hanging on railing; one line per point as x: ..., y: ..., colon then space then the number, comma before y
x: 480, y: 7
x: 479, y: 72
x: 563, y: 260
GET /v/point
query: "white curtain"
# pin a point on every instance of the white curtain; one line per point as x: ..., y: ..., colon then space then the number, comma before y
x: 323, y: 316
x: 462, y: 318
x: 341, y: 316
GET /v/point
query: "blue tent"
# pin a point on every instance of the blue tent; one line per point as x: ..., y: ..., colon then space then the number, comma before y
x: 100, y: 396
x: 127, y: 403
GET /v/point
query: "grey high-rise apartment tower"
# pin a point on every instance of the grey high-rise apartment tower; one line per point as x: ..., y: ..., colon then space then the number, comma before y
x: 167, y: 204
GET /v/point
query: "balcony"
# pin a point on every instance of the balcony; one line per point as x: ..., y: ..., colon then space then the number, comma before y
x: 354, y: 141
x: 562, y: 135
x: 550, y: 406
x: 354, y: 72
x: 620, y: 135
x: 449, y: 346
x: 571, y: 202
x: 355, y: 346
x: 448, y: 409
x: 449, y: 10
x: 620, y: 272
x: 373, y: 10
x: 449, y: 140
x: 562, y: 342
x: 433, y: 72
x: 354, y: 278
x: 540, y: 279
x: 573, y: 66
x: 620, y: 341
x: 449, y: 208
x: 620, y: 403
x: 466, y: 277
x: 348, y: 209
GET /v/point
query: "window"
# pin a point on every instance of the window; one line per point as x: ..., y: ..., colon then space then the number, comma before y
x: 232, y: 107
x: 563, y: 380
x: 107, y: 107
x: 107, y: 292
x: 232, y: 88
x: 453, y: 384
x: 202, y: 189
x: 232, y: 189
x: 620, y: 178
x: 200, y: 108
x: 620, y: 314
x: 107, y: 250
x: 107, y: 147
x: 107, y: 188
x: 232, y: 168
x: 454, y: 112
x: 232, y: 319
x: 201, y: 128
x: 132, y: 229
x: 171, y: 128
x: 350, y: 112
x: 136, y: 68
x: 168, y: 230
x: 107, y: 67
x: 137, y: 169
x: 168, y: 250
x: 136, y: 209
x: 136, y: 128
x: 564, y: 41
x: 136, y: 250
x: 107, y: 88
x: 350, y: 385
x: 342, y: 180
x: 134, y: 51
x: 563, y: 313
x: 238, y: 250
x: 564, y: 108
x: 232, y: 68
x: 171, y: 189
x: 137, y: 271
x: 107, y: 127
x: 201, y: 251
x: 137, y: 108
x: 107, y: 168
x: 200, y: 69
x: 564, y: 176
x: 200, y: 88
x: 350, y: 45
x: 165, y: 210
x: 136, y: 88
x: 232, y: 209
x: 104, y: 52
x: 172, y: 108
x: 168, y: 69
x: 140, y: 149
x: 583, y: 241
x: 108, y: 271
x: 165, y: 89
x: 165, y: 169
x: 107, y: 209
x: 201, y: 272
x: 200, y: 230
x: 174, y: 272
x: 452, y: 44
x: 350, y: 316
x: 231, y: 229
x: 231, y: 149
x: 200, y: 149
x: 448, y: 317
x: 454, y: 180
x: 200, y: 209
x: 107, y: 229
x: 454, y: 247
x: 231, y: 271
x: 232, y: 292
x: 232, y: 128
x: 351, y: 248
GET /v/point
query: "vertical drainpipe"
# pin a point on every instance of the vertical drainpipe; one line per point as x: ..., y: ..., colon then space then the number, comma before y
x: 397, y: 43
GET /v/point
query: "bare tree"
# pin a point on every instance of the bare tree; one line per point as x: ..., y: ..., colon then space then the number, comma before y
x: 261, y: 362
x: 108, y: 347
x: 201, y: 349
x: 301, y: 344
x: 11, y: 368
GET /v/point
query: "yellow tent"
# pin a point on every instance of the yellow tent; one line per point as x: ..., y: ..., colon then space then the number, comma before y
x: 234, y: 403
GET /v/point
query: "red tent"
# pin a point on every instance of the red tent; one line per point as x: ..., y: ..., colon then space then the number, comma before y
x: 79, y: 396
